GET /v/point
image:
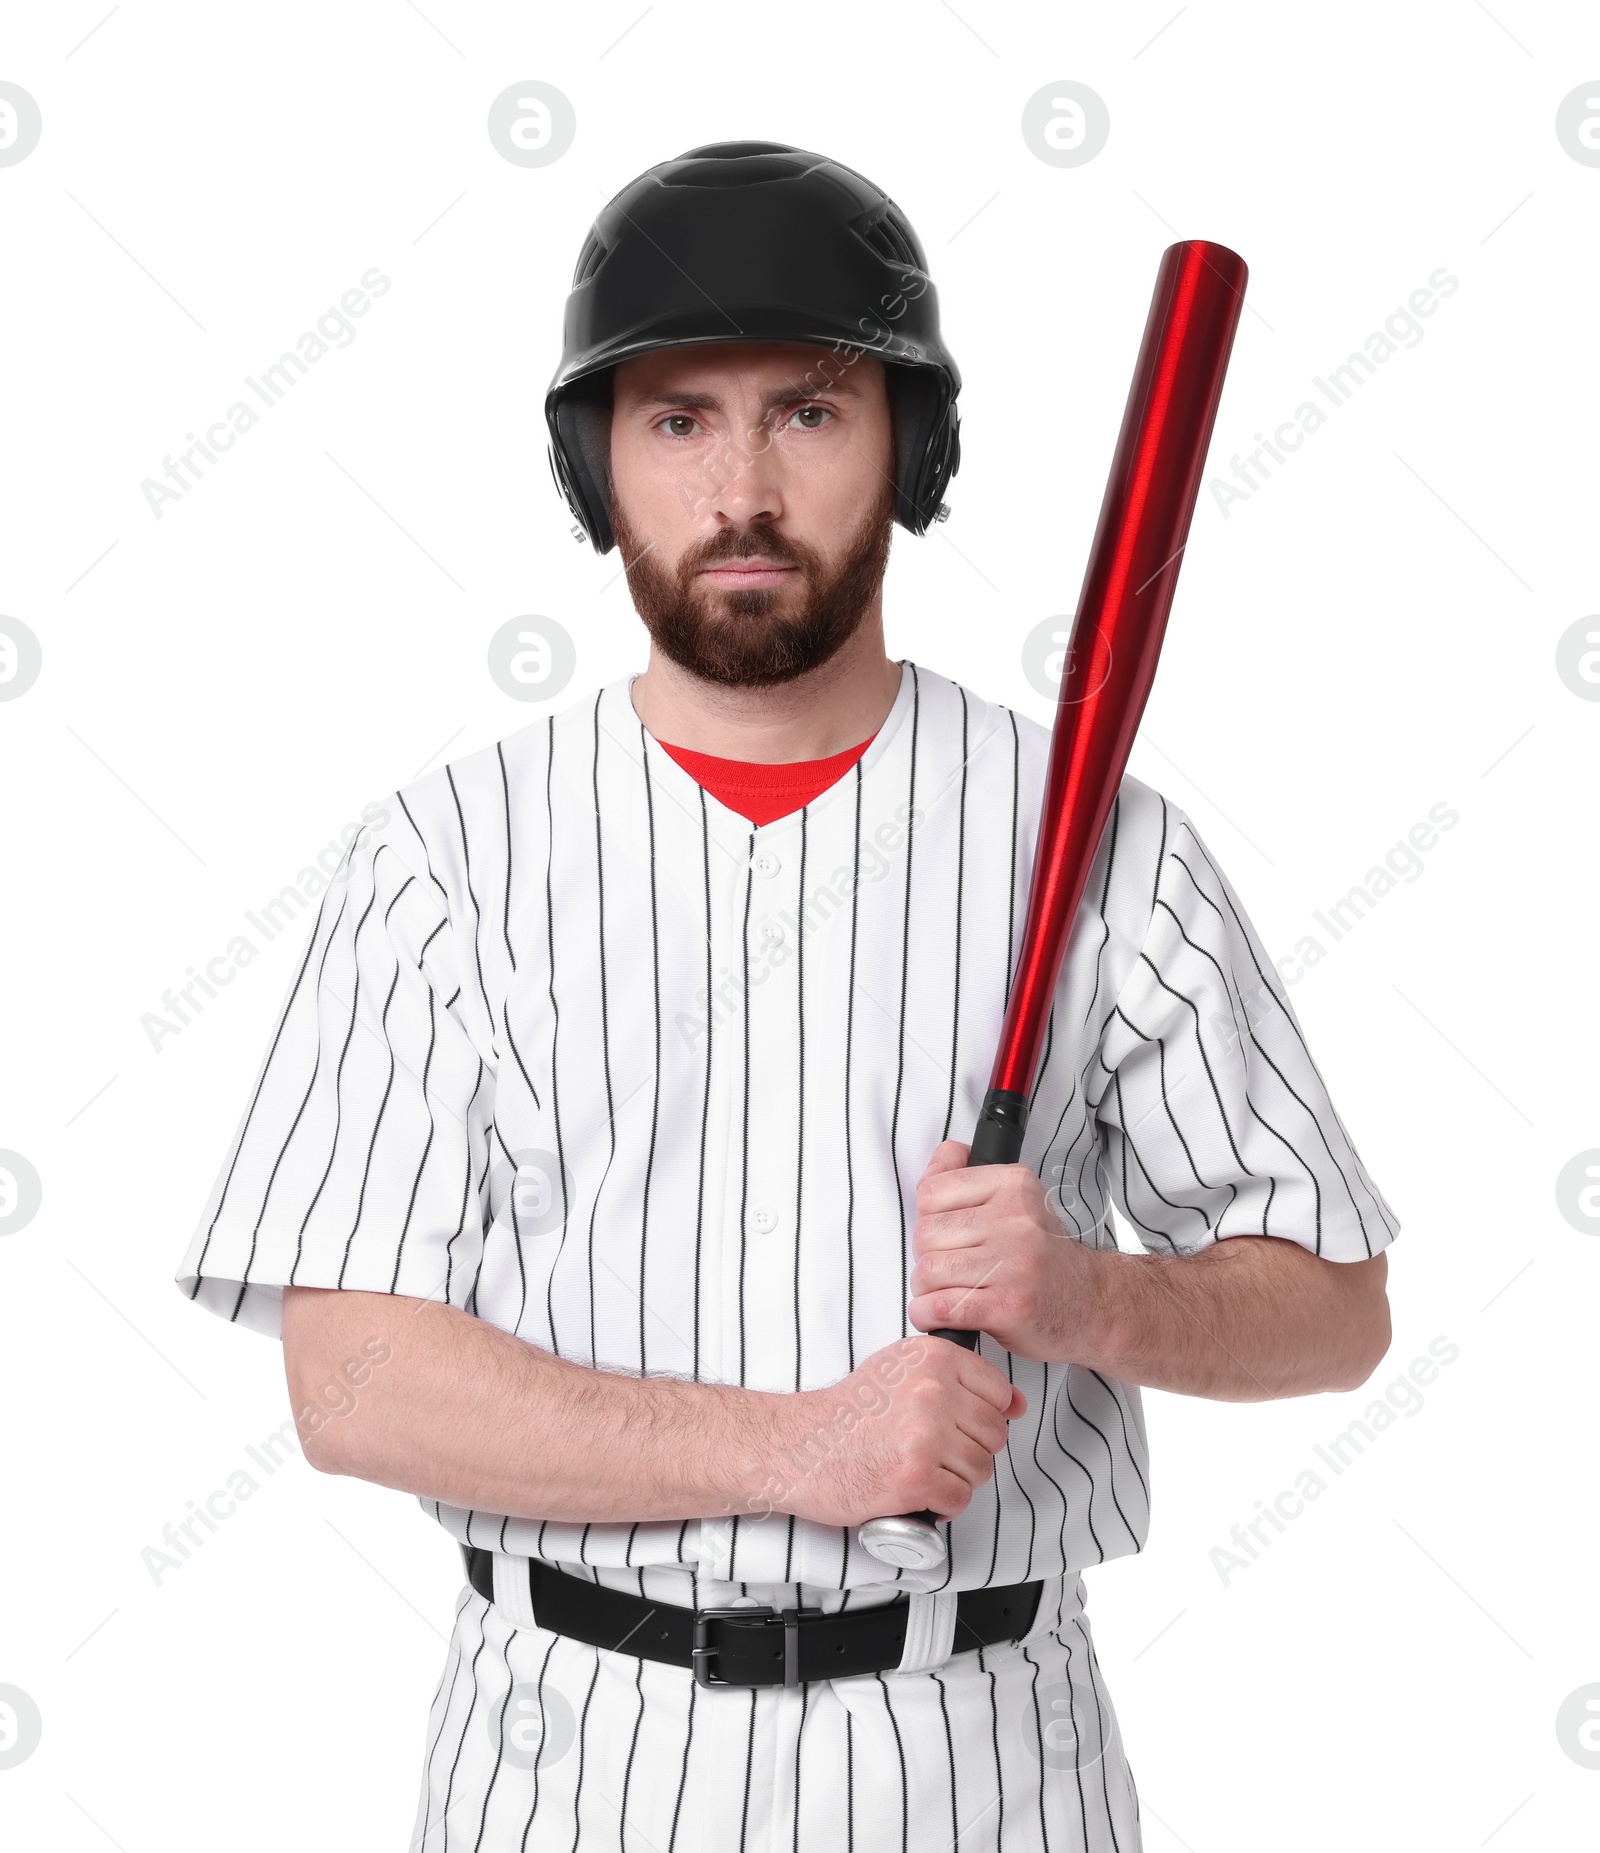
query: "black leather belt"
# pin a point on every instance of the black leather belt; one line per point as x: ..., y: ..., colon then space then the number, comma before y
x: 752, y: 1646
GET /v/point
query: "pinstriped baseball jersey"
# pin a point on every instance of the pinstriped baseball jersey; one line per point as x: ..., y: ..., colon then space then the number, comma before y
x: 581, y: 1051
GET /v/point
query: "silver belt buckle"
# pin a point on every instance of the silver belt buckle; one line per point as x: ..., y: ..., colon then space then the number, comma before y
x: 703, y: 1652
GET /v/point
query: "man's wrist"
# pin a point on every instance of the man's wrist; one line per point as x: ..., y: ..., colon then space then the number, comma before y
x: 758, y: 1458
x: 1104, y: 1318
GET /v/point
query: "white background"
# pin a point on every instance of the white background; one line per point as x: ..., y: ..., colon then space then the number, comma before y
x: 1371, y: 633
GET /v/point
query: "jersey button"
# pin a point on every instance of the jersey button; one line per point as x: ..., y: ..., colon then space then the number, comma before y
x: 765, y: 863
x: 764, y: 1219
x: 772, y: 932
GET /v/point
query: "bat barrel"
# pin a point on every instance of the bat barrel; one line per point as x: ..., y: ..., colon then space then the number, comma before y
x: 1116, y: 637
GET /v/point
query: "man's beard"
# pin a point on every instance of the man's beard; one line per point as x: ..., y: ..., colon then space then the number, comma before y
x: 740, y: 639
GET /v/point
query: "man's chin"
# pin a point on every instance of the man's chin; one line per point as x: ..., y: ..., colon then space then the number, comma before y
x: 742, y: 667
x: 713, y: 604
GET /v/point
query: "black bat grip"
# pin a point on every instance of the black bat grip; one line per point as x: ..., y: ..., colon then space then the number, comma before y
x: 997, y: 1137
x: 996, y: 1140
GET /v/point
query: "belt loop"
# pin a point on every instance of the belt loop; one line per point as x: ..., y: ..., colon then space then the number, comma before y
x: 930, y: 1630
x: 510, y: 1583
x: 791, y: 1647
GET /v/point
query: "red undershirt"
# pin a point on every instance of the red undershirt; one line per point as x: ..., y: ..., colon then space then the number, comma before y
x: 764, y: 793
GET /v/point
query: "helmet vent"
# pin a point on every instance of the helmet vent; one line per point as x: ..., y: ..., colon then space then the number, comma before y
x: 889, y: 238
x: 589, y: 259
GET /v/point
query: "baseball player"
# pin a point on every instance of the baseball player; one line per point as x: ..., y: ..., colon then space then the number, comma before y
x: 607, y: 1157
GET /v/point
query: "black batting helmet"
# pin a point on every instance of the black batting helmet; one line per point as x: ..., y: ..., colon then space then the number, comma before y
x: 753, y: 241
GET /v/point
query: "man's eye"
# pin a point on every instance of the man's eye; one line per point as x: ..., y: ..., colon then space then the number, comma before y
x: 678, y: 418
x: 817, y: 412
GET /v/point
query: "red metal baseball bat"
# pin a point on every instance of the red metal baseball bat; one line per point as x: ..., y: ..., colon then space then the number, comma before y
x: 1116, y: 638
x: 1111, y: 663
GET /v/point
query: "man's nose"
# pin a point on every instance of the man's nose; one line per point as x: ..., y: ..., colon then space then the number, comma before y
x: 751, y: 487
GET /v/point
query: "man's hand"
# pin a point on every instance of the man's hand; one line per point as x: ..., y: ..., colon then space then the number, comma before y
x: 1244, y: 1318
x: 993, y: 1257
x: 913, y: 1428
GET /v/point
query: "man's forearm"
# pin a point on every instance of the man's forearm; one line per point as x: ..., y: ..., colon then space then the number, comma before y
x: 1247, y: 1319
x: 461, y: 1411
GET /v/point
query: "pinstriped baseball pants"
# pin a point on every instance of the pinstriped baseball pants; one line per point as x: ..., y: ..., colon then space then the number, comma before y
x: 536, y: 1741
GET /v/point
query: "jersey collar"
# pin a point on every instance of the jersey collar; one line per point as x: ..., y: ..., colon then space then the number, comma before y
x: 678, y: 785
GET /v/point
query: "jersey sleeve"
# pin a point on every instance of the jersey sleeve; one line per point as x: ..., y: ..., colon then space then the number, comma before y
x: 1215, y: 1119
x: 360, y: 1158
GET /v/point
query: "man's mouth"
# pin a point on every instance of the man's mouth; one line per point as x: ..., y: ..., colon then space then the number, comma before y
x: 743, y: 574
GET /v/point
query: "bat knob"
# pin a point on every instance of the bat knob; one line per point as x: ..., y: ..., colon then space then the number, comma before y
x: 906, y: 1542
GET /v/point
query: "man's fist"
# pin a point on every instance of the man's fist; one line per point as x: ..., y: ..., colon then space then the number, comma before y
x: 915, y: 1427
x: 993, y: 1257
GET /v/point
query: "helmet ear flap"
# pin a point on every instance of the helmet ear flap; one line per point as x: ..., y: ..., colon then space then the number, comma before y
x: 580, y: 454
x: 927, y: 444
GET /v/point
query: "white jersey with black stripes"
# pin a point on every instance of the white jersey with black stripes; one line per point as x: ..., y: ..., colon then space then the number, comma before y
x: 577, y: 1048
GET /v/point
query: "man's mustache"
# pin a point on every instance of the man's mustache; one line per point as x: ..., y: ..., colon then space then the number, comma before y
x: 742, y: 547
